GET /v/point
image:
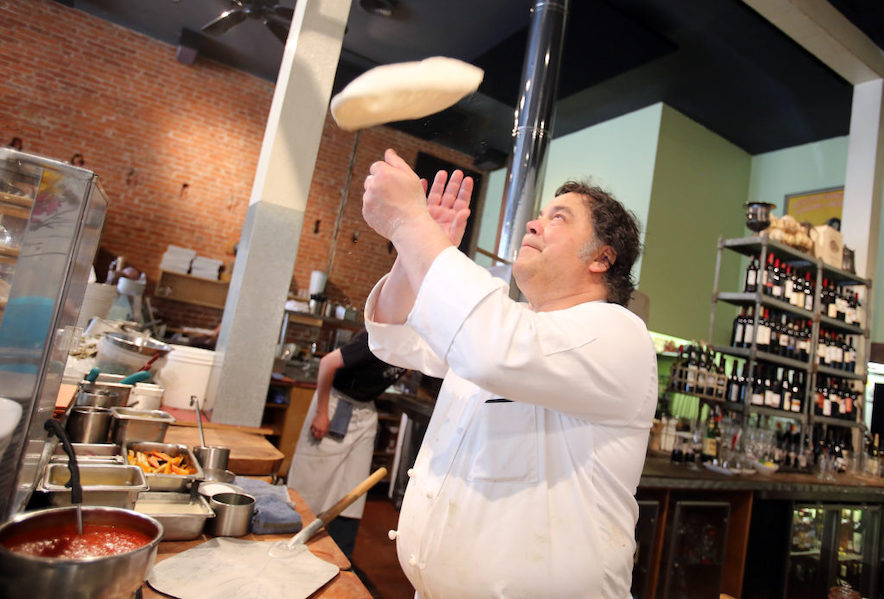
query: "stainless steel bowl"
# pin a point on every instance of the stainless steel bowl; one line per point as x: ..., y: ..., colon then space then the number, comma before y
x: 146, y: 346
x: 112, y: 577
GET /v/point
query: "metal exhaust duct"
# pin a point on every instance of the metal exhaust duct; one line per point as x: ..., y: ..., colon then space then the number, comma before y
x: 534, y: 117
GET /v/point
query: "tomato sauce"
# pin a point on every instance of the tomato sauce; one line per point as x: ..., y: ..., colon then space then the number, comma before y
x: 97, y: 540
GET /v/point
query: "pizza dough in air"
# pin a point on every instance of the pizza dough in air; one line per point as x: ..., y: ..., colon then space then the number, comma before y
x: 403, y: 91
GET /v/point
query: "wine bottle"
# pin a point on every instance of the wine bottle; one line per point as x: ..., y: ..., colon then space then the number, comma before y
x: 750, y: 283
x: 737, y: 329
x: 757, y: 396
x: 767, y: 282
x: 808, y: 292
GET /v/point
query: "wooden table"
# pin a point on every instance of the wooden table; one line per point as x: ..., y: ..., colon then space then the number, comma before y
x: 250, y: 454
x: 345, y: 584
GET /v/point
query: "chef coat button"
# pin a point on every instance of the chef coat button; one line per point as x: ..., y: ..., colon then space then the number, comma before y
x: 412, y: 561
x: 393, y: 534
x: 410, y: 473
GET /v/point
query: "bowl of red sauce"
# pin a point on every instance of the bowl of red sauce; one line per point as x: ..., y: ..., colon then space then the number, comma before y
x: 42, y: 554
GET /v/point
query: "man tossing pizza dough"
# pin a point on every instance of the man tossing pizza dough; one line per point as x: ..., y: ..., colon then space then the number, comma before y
x: 403, y: 91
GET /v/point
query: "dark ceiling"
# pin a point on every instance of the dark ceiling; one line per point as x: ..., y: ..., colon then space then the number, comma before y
x: 716, y: 61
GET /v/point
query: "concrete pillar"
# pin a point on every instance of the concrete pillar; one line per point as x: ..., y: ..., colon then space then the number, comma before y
x: 861, y: 213
x: 271, y: 231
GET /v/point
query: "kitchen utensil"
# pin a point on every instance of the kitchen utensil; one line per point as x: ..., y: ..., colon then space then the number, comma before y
x: 224, y: 567
x: 212, y: 457
x: 93, y: 375
x: 53, y: 426
x: 114, y: 485
x: 116, y: 393
x: 233, y: 513
x: 183, y: 515
x: 758, y: 215
x: 88, y: 424
x: 167, y: 482
x: 328, y: 515
x: 199, y: 418
x: 113, y: 577
x: 137, y: 377
x: 130, y: 425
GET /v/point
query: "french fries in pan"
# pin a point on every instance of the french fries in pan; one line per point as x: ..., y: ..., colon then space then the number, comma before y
x: 157, y: 462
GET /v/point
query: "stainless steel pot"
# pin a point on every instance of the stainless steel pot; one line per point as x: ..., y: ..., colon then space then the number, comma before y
x: 88, y: 424
x: 112, y: 577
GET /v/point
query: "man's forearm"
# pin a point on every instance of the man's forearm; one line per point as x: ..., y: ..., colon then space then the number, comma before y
x: 417, y: 243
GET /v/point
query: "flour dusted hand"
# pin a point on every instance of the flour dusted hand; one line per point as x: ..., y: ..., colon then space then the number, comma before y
x: 393, y: 195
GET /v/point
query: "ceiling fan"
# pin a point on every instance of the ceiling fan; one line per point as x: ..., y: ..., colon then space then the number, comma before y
x: 276, y: 17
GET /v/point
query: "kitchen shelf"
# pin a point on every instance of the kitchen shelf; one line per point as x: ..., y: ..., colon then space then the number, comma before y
x: 742, y: 352
x: 853, y: 376
x: 751, y: 298
x: 188, y: 289
x: 761, y: 246
x: 835, y: 421
x: 842, y: 327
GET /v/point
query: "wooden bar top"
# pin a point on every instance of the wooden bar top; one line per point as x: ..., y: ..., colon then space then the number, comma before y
x: 250, y: 454
x: 345, y: 584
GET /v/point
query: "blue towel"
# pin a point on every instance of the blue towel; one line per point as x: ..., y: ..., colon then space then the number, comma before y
x: 340, y: 422
x: 274, y: 512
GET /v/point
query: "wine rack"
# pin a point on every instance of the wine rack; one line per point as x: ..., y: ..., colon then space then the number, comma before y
x: 761, y: 247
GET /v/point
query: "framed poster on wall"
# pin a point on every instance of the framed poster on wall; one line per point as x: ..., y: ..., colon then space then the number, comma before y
x: 816, y: 207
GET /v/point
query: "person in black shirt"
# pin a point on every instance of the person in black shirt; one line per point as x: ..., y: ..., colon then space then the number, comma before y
x: 334, y: 453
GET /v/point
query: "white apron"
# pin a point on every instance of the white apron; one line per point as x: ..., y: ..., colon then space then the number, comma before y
x: 323, y: 472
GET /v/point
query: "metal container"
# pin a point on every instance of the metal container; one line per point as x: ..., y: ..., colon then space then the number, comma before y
x: 139, y: 425
x: 88, y: 424
x: 102, y: 394
x: 212, y: 457
x: 103, y: 484
x: 112, y: 577
x: 758, y: 215
x: 167, y: 482
x: 182, y: 515
x: 233, y: 514
x: 90, y: 453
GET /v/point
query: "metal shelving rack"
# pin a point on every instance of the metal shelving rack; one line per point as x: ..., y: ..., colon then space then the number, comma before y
x: 761, y: 246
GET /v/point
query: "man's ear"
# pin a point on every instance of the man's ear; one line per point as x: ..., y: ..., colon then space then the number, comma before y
x: 604, y: 260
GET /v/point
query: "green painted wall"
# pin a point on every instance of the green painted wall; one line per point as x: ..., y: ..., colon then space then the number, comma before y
x: 701, y: 182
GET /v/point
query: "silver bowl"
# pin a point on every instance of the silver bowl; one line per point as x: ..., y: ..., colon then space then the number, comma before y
x: 111, y: 577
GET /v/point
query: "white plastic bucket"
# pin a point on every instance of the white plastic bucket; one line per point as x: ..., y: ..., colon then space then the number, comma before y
x: 185, y: 373
x: 146, y: 396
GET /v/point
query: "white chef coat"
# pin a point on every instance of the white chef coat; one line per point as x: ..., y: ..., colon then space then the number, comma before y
x: 532, y: 497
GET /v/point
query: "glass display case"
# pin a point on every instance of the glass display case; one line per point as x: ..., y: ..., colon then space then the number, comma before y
x: 832, y: 544
x: 51, y: 216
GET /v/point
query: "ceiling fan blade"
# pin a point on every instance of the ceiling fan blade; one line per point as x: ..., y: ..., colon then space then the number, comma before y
x: 280, y: 29
x: 225, y: 21
x: 284, y: 11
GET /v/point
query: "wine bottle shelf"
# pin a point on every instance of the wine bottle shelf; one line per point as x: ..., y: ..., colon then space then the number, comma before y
x: 835, y: 421
x: 825, y: 330
x: 842, y: 327
x: 762, y: 356
x: 749, y: 299
x: 844, y: 374
x: 751, y: 246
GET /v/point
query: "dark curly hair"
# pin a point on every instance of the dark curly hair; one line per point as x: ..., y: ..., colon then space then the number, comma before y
x: 615, y: 226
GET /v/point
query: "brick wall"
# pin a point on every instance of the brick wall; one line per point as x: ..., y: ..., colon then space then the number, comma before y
x: 176, y: 146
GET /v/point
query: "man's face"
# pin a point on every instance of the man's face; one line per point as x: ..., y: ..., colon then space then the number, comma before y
x: 553, y: 250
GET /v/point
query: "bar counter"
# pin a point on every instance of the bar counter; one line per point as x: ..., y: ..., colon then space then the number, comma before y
x: 660, y: 473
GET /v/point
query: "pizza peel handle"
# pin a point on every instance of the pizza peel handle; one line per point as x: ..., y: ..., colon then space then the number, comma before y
x: 329, y: 514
